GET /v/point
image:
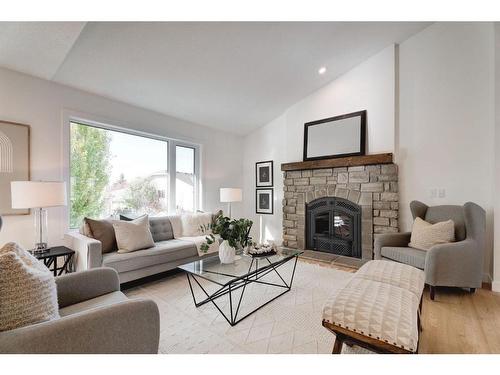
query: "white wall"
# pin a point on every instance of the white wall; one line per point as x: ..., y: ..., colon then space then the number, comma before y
x: 266, y: 143
x: 41, y: 104
x: 370, y: 86
x: 446, y: 78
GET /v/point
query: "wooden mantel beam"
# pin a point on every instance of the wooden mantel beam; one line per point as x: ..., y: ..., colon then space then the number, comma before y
x: 350, y: 161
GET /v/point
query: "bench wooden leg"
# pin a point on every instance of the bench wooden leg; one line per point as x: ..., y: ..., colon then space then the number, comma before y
x: 433, y: 291
x: 337, y: 346
x: 472, y: 290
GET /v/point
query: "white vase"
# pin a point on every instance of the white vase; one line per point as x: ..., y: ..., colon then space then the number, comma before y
x: 226, y: 252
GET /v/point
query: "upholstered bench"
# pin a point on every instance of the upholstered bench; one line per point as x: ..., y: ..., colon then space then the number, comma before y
x: 378, y: 309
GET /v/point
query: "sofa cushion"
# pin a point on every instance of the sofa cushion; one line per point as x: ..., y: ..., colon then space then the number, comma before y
x: 394, y: 273
x: 162, y: 252
x: 406, y: 255
x: 161, y: 228
x: 104, y: 300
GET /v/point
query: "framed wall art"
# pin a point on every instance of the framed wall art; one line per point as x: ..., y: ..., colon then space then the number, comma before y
x: 264, y: 201
x: 264, y: 173
x: 14, y: 162
x: 335, y: 137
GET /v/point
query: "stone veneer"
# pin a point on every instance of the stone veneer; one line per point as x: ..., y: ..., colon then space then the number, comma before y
x: 373, y: 187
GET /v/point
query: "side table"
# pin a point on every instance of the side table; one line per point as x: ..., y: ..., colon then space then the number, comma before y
x: 50, y: 256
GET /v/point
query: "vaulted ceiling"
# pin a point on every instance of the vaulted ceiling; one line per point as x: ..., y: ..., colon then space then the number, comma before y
x: 234, y: 76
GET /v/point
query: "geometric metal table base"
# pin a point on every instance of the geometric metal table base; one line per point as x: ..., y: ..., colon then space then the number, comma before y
x: 252, y: 276
x: 51, y: 264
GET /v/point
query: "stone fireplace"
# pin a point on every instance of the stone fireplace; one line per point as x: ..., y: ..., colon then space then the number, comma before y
x: 339, y: 209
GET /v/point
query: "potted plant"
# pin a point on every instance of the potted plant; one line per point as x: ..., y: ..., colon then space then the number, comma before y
x: 234, y: 233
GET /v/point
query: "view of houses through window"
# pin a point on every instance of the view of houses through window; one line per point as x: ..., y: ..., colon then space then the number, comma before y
x: 115, y: 173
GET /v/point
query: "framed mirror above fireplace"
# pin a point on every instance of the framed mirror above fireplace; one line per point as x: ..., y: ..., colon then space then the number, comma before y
x: 335, y: 137
x: 333, y: 225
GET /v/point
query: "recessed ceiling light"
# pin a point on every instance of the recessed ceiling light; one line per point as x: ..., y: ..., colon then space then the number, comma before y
x: 322, y: 70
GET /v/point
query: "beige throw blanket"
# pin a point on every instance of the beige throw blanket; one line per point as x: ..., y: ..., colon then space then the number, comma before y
x: 200, y: 240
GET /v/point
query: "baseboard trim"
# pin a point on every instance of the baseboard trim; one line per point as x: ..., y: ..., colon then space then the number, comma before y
x: 495, y: 286
x: 487, y: 278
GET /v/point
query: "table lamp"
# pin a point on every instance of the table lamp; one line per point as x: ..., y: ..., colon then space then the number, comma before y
x: 229, y: 195
x: 39, y: 195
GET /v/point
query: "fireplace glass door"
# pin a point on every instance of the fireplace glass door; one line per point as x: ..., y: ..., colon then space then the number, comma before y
x: 334, y: 225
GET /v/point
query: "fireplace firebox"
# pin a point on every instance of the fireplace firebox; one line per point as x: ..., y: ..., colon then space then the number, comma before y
x: 333, y: 225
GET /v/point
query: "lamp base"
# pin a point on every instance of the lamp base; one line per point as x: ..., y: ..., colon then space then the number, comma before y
x: 41, y: 231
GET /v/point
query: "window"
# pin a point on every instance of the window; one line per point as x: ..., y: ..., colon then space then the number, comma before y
x: 114, y: 172
x: 185, y: 179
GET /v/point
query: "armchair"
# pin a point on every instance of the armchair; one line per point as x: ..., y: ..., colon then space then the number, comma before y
x: 456, y: 264
x: 95, y: 318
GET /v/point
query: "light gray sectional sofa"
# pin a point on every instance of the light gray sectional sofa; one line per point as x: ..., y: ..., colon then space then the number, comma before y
x: 171, y: 250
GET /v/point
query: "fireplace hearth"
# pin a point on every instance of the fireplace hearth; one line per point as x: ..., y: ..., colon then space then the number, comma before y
x: 333, y: 225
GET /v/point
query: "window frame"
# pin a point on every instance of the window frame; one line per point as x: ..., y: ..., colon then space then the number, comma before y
x: 174, y: 171
x: 171, y: 159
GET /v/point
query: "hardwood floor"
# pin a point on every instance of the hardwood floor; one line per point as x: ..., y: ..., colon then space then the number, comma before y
x: 456, y: 322
x: 460, y: 322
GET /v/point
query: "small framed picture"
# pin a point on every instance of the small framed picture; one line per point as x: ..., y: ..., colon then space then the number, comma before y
x: 264, y: 173
x: 264, y: 201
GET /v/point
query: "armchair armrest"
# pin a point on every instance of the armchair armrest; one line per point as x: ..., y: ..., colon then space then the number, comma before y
x: 127, y: 327
x: 88, y: 250
x: 389, y: 239
x: 77, y: 287
x: 456, y: 264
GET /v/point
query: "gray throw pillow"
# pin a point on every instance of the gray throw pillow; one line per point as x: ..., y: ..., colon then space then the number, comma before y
x: 103, y: 231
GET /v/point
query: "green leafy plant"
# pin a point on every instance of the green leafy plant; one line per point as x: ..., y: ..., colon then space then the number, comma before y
x: 235, y: 231
x: 90, y: 167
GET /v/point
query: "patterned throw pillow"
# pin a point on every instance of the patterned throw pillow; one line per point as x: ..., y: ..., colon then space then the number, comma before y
x: 28, y: 292
x: 424, y: 235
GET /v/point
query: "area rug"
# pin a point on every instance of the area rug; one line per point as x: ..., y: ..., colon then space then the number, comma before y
x: 289, y: 324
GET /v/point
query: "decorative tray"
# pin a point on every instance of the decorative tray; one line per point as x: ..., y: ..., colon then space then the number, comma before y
x: 261, y: 251
x: 263, y: 255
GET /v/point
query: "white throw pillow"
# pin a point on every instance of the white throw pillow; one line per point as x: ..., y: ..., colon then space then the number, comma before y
x: 424, y: 235
x: 28, y: 292
x: 191, y: 224
x: 176, y: 222
x: 133, y: 235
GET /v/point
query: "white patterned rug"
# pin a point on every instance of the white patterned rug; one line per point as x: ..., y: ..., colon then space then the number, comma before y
x: 289, y: 324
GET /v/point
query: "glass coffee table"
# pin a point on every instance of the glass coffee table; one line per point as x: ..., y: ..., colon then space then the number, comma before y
x: 233, y: 279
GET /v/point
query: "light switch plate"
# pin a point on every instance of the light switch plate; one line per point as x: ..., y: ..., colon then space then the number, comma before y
x: 433, y: 193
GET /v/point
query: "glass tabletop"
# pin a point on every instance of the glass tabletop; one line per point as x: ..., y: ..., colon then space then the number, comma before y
x: 213, y: 270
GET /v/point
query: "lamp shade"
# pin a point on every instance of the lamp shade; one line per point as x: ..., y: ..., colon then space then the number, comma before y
x: 37, y: 194
x: 230, y: 195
